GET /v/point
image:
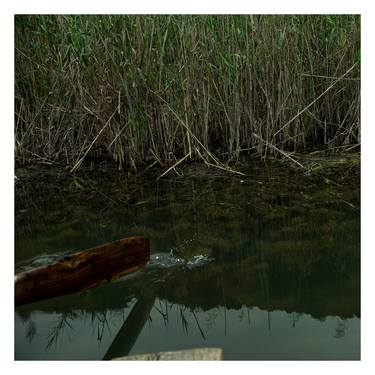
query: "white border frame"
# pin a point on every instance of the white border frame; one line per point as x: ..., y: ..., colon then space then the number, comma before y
x: 363, y: 7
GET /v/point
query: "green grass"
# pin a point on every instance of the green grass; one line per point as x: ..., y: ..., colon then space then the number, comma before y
x: 142, y: 89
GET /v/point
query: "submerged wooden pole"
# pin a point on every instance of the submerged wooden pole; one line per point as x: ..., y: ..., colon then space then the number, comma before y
x: 132, y: 327
x: 83, y: 270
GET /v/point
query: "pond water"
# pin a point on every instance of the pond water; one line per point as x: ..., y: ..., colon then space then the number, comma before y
x: 264, y: 266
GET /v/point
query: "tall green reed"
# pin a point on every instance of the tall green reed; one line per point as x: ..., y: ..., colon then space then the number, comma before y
x: 159, y: 88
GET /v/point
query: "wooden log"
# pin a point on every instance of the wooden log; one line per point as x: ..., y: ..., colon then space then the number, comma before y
x: 82, y: 270
x: 199, y: 354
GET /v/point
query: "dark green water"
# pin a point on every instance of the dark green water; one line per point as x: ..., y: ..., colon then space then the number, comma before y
x: 278, y: 276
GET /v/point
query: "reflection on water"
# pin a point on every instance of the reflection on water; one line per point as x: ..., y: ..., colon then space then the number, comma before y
x: 245, y: 333
x: 265, y: 266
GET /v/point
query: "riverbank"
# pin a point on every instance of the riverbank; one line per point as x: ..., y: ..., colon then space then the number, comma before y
x: 343, y: 168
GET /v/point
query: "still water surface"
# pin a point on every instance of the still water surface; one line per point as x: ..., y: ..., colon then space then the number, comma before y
x: 265, y: 266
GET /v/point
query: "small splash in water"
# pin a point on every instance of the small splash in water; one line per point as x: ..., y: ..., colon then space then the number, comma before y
x: 198, y: 260
x: 165, y: 260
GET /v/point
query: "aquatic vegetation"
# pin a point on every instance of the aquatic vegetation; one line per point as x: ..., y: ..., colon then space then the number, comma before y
x: 161, y: 89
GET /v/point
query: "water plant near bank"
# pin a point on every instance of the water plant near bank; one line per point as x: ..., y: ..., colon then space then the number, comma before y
x: 167, y: 89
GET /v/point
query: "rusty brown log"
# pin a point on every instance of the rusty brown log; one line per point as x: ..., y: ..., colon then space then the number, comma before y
x: 82, y: 270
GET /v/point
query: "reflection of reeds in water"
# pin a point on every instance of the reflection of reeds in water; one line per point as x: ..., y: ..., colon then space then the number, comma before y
x: 184, y: 321
x: 99, y: 321
x: 62, y: 327
x: 181, y: 313
x: 133, y: 323
x: 30, y: 331
x: 340, y: 329
x: 198, y: 325
x: 163, y: 310
x: 295, y: 318
x: 191, y: 319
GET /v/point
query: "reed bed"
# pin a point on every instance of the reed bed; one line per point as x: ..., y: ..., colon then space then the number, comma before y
x: 168, y: 89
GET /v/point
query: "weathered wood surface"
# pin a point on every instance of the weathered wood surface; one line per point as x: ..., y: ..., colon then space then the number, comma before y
x: 201, y: 354
x: 82, y: 270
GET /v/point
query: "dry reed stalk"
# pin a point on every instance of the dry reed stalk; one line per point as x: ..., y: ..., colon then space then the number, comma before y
x: 174, y: 166
x: 328, y: 77
x: 280, y: 151
x: 80, y: 160
x: 217, y: 162
x: 316, y: 99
